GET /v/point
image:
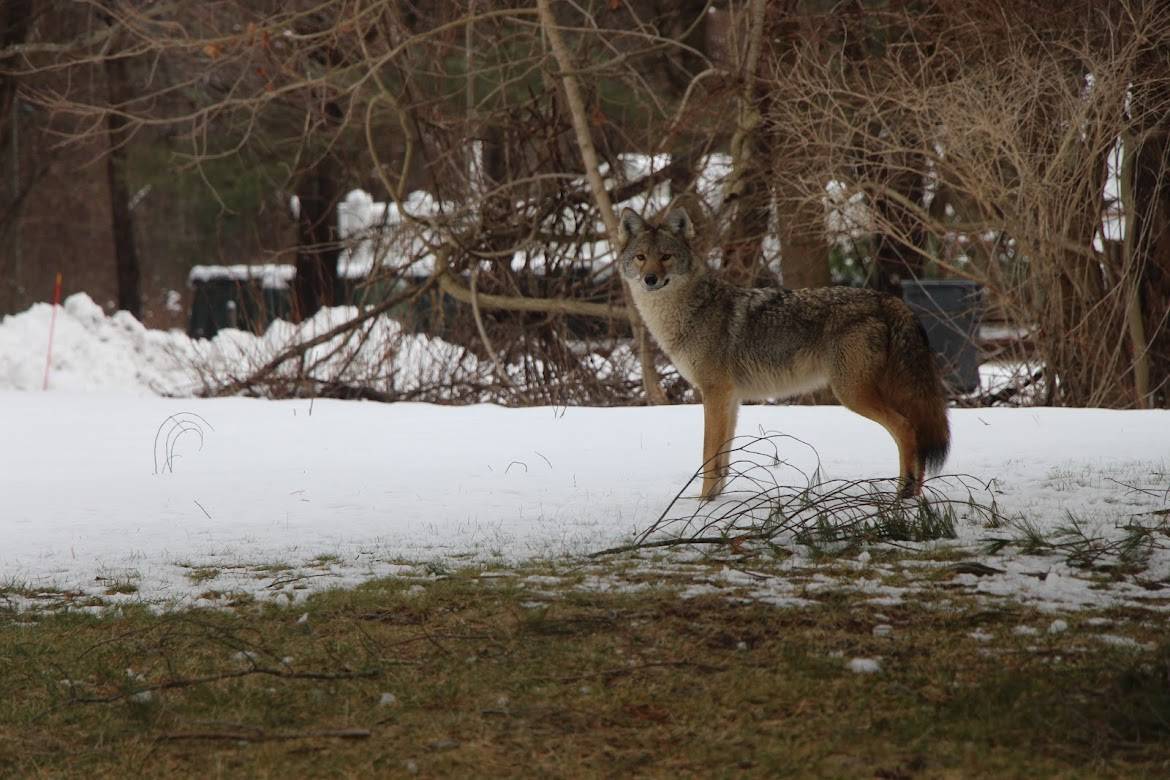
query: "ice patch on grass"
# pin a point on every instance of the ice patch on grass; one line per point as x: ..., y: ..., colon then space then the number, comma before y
x: 542, y: 579
x: 864, y: 665
x: 699, y: 589
x: 1050, y: 586
x: 605, y: 584
x: 1124, y: 642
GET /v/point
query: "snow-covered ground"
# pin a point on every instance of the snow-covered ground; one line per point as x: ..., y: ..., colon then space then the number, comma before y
x: 107, y: 487
x: 249, y: 487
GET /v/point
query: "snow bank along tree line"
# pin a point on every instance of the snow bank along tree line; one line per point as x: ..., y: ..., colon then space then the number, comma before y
x: 1020, y: 145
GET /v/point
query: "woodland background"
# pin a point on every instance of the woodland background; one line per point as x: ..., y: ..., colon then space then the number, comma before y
x: 1022, y: 145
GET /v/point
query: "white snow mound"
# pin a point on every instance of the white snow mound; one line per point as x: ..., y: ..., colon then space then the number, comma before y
x: 91, y: 351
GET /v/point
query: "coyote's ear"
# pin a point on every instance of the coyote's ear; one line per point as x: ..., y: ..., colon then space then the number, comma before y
x: 678, y: 221
x: 631, y: 224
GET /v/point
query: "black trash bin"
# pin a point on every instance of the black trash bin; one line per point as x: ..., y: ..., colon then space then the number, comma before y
x: 244, y: 297
x: 950, y: 310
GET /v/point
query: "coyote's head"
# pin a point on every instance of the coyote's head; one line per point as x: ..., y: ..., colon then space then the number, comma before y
x: 652, y: 255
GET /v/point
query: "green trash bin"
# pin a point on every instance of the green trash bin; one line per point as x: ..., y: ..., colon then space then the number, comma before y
x: 950, y: 311
x: 244, y: 297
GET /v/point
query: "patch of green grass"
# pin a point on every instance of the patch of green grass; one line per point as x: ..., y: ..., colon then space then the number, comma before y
x: 272, y: 568
x: 48, y: 595
x: 228, y: 598
x: 326, y: 559
x: 1092, y: 546
x: 119, y: 586
x: 21, y: 588
x: 892, y: 522
x: 587, y: 684
x: 201, y: 574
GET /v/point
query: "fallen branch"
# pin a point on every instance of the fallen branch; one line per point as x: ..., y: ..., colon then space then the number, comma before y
x: 186, y: 682
x: 760, y: 508
x: 259, y: 735
x: 651, y: 382
x: 1006, y: 394
x: 299, y: 349
x: 674, y: 543
x: 449, y: 285
x: 488, y: 346
x: 624, y: 670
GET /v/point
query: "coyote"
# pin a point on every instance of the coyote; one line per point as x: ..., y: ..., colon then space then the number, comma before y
x: 737, y: 344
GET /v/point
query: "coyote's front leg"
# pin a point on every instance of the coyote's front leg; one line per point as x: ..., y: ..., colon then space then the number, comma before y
x: 720, y: 409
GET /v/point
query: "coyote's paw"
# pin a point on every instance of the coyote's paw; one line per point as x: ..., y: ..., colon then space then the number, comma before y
x: 711, y: 491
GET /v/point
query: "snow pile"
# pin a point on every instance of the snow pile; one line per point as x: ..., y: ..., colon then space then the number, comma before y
x: 116, y: 353
x: 376, y: 354
x: 712, y: 180
x: 847, y: 217
x: 91, y: 351
x: 377, y: 233
x: 380, y: 233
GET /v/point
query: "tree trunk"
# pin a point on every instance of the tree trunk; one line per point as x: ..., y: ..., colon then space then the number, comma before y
x: 1150, y: 222
x: 129, y: 281
x: 679, y: 69
x: 15, y: 21
x: 900, y: 240
x: 747, y: 191
x: 317, y: 241
x: 743, y: 250
x: 804, y: 253
x: 800, y: 216
x: 650, y: 379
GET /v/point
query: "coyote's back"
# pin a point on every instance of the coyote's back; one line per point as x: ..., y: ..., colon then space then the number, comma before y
x: 737, y: 343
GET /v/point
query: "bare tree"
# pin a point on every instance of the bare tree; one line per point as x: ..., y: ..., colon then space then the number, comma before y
x: 986, y: 156
x: 127, y: 271
x: 958, y: 140
x: 1148, y: 209
x: 15, y: 20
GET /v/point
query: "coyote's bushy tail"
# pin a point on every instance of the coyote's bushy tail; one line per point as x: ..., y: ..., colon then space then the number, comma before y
x: 918, y: 387
x: 934, y: 434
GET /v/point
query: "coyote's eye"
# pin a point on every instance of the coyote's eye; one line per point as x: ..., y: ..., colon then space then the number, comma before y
x: 666, y: 258
x: 641, y: 258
